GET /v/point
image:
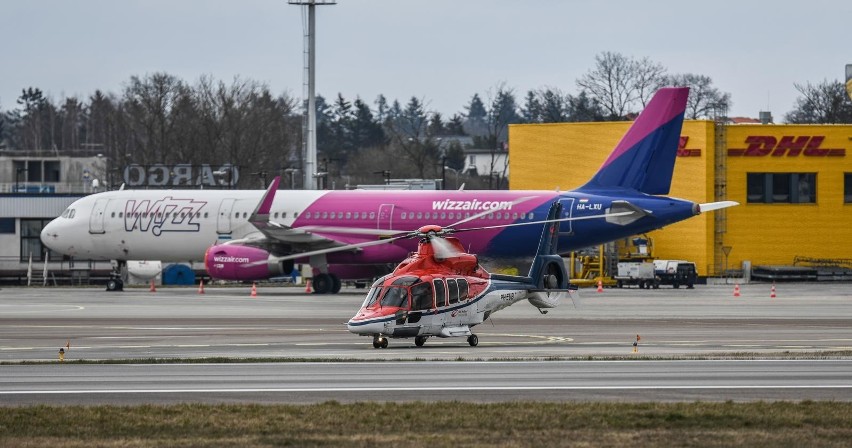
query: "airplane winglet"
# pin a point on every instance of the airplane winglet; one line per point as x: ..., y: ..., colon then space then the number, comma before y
x: 706, y: 207
x: 261, y: 212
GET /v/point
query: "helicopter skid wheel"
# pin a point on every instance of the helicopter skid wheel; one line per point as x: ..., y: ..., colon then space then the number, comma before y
x: 420, y: 340
x: 380, y: 342
x: 473, y: 340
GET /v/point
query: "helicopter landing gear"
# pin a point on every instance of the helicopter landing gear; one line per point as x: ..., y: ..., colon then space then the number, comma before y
x: 473, y: 340
x: 420, y: 340
x: 380, y: 342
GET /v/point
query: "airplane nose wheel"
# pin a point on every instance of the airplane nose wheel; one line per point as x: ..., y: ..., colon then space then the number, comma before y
x: 380, y: 342
x: 420, y: 340
x: 473, y: 340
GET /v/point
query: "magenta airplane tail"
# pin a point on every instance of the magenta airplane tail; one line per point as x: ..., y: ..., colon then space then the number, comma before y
x: 644, y: 158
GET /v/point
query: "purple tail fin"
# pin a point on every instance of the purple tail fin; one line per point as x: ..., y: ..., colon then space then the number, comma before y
x: 644, y: 158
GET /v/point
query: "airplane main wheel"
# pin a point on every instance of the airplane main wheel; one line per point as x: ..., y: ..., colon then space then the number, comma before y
x: 323, y: 284
x: 114, y: 285
x: 473, y: 340
x: 335, y: 284
x: 376, y: 343
x: 420, y: 340
x: 384, y: 343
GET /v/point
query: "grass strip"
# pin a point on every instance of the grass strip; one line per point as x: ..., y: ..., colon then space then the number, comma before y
x: 699, y: 424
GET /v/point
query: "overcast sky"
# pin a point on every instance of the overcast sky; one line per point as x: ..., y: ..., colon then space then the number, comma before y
x: 442, y: 51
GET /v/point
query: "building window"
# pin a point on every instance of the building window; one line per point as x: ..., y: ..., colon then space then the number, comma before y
x: 31, y: 240
x: 847, y: 188
x: 51, y: 171
x: 7, y: 225
x: 781, y: 188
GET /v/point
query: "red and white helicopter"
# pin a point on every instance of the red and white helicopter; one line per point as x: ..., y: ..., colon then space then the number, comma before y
x: 442, y: 291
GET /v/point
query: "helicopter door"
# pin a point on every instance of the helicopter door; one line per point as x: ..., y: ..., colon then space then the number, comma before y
x: 385, y: 217
x: 567, y: 227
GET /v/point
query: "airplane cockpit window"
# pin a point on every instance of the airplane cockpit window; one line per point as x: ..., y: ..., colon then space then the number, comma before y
x: 66, y: 213
x: 421, y: 296
x: 73, y: 213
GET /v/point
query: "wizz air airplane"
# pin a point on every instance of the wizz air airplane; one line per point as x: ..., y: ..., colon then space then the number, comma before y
x: 252, y: 234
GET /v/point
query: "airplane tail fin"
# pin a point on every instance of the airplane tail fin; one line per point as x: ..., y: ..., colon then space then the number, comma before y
x: 644, y: 158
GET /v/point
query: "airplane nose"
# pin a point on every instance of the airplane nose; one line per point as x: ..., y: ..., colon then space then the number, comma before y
x: 49, y: 236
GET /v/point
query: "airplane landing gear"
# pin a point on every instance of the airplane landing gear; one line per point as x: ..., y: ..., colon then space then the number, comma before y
x: 473, y: 340
x: 420, y: 340
x: 380, y: 342
x: 117, y: 276
x: 326, y: 284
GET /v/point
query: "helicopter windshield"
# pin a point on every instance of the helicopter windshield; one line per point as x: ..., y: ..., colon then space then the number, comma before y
x: 373, y: 295
x: 396, y: 294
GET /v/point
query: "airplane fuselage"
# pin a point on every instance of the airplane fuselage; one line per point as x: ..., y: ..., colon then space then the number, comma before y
x: 179, y: 225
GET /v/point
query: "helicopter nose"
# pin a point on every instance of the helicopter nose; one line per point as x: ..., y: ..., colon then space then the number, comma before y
x: 364, y: 327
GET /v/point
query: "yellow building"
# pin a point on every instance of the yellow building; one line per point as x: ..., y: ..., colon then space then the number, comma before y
x: 794, y: 184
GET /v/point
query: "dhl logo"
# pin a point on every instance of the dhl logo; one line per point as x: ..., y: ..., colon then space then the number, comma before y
x: 682, y: 150
x: 767, y: 145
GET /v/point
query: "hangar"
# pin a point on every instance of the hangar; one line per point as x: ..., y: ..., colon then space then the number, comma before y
x: 794, y: 184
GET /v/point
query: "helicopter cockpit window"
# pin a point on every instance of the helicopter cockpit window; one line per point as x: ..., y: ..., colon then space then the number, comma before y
x: 421, y: 296
x: 462, y: 289
x: 453, y: 290
x: 440, y: 293
x: 406, y: 281
x: 371, y: 297
x: 396, y: 296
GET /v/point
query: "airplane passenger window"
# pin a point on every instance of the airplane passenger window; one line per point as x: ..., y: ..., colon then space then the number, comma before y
x: 339, y: 215
x: 363, y: 215
x: 324, y: 215
x: 421, y: 296
x: 463, y: 289
x: 402, y: 215
x: 245, y: 215
x: 120, y: 214
x: 372, y: 215
x: 530, y: 216
x: 205, y: 214
x: 443, y: 215
x: 419, y: 215
x: 348, y: 215
x: 112, y: 215
x: 283, y: 215
x: 514, y: 216
x: 276, y: 215
x: 440, y: 293
x: 237, y: 215
x: 453, y: 290
x: 308, y: 215
x: 295, y: 214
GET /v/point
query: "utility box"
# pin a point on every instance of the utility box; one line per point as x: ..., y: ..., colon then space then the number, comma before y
x: 640, y: 273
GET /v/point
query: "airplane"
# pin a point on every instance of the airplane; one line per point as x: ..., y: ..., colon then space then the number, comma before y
x: 441, y: 291
x: 253, y: 235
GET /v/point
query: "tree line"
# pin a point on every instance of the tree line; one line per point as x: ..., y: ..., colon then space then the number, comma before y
x: 161, y: 119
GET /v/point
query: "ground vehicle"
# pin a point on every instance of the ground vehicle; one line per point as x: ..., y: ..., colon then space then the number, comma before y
x: 675, y: 272
x: 640, y: 273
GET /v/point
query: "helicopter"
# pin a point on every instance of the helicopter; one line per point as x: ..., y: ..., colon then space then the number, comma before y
x: 442, y: 291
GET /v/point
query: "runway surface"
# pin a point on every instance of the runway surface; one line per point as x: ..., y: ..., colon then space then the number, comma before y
x: 428, y: 381
x: 284, y: 322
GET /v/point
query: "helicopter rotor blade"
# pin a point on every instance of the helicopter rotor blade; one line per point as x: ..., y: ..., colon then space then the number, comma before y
x: 330, y: 250
x: 492, y: 210
x: 579, y: 218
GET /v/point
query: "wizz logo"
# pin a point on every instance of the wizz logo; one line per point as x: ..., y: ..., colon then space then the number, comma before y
x: 163, y: 215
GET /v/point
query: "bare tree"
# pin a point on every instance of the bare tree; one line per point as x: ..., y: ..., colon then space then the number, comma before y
x: 619, y: 83
x: 703, y: 97
x: 826, y: 102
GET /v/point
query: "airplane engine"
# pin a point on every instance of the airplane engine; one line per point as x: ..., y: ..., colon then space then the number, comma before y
x: 232, y: 262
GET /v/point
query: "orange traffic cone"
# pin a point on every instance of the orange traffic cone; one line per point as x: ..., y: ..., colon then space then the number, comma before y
x: 736, y: 290
x: 308, y: 286
x: 772, y: 293
x: 201, y: 286
x: 600, y: 286
x: 254, y: 290
x: 153, y: 288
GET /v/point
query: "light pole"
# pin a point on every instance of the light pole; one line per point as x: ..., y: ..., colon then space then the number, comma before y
x: 457, y: 175
x: 292, y: 172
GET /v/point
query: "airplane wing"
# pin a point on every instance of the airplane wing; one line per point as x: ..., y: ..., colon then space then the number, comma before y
x: 273, y: 234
